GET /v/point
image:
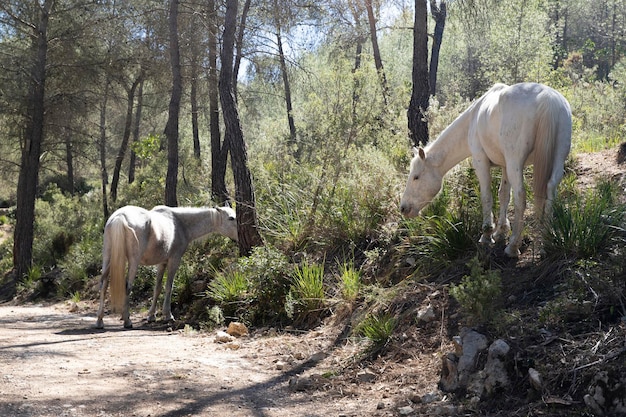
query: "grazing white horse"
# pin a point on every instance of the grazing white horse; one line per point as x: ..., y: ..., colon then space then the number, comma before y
x: 156, y: 237
x: 509, y: 126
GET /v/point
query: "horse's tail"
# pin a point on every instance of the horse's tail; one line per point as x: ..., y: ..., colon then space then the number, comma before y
x: 547, y: 128
x: 115, y: 233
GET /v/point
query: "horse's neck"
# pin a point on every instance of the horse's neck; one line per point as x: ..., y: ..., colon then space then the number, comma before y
x: 451, y: 147
x: 197, y: 222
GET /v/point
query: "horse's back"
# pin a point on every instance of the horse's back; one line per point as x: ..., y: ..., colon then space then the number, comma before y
x: 507, y: 119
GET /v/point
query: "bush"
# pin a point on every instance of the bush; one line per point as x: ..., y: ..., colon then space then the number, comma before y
x: 378, y: 328
x: 349, y: 281
x: 478, y: 293
x: 267, y: 271
x: 582, y: 225
x: 306, y: 297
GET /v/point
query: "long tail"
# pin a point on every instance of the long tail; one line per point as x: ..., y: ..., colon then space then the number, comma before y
x: 115, y: 232
x: 545, y: 145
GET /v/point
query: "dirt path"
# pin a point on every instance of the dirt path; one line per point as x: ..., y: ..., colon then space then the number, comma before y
x: 54, y: 363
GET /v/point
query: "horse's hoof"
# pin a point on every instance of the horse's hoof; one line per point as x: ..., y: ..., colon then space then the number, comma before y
x: 99, y: 324
x: 486, y: 240
x: 512, y: 252
x: 151, y: 318
x: 128, y: 325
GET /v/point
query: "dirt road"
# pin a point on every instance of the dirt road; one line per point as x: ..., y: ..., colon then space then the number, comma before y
x: 55, y: 363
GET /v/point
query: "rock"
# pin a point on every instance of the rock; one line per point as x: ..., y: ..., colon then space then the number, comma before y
x: 223, y: 337
x: 300, y: 383
x: 496, y: 375
x: 472, y: 344
x: 449, y: 381
x: 405, y: 411
x: 280, y: 365
x: 365, y: 376
x: 462, y: 370
x: 431, y: 397
x: 607, y: 393
x: 426, y: 314
x: 237, y: 329
x: 534, y: 377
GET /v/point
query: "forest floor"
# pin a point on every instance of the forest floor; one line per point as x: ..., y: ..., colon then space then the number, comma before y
x: 53, y: 362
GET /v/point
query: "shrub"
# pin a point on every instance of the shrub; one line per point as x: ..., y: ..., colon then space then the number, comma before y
x: 378, y: 328
x: 584, y: 224
x: 478, y: 293
x: 267, y: 271
x: 306, y: 298
x: 350, y: 281
x: 229, y: 289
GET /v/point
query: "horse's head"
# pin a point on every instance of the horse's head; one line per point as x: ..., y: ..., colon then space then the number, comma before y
x: 227, y: 225
x: 422, y: 186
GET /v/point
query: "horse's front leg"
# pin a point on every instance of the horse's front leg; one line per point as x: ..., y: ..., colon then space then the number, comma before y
x: 172, y: 267
x: 104, y: 283
x: 516, y: 177
x: 483, y: 172
x: 157, y: 292
x: 504, y: 196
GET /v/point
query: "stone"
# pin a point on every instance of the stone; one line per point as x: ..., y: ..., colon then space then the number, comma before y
x: 472, y: 344
x: 496, y: 375
x: 237, y: 329
x: 223, y: 337
x: 534, y: 377
x: 607, y: 393
x: 365, y: 376
x: 426, y: 314
x: 405, y: 411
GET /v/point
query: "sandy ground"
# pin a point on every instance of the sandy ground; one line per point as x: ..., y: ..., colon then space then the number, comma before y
x: 55, y: 363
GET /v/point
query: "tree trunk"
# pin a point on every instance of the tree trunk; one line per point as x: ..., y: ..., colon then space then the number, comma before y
x: 171, y: 128
x: 69, y: 159
x: 125, y: 138
x: 31, y: 151
x: 244, y: 190
x: 439, y: 14
x: 377, y: 58
x: 283, y: 68
x: 239, y: 45
x: 133, y: 156
x: 102, y: 147
x: 219, y: 152
x: 193, y: 97
x: 418, y: 106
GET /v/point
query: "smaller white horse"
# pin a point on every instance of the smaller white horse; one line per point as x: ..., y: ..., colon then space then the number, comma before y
x: 509, y: 126
x: 156, y: 237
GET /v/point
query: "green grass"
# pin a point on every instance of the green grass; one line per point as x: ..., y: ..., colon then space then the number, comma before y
x: 584, y: 224
x: 306, y: 298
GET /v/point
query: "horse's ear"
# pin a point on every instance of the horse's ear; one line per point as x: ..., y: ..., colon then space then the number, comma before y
x: 421, y: 153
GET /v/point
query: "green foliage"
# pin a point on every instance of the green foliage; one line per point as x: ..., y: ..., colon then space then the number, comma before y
x: 478, y: 292
x: 449, y: 227
x: 378, y: 328
x: 583, y: 224
x: 349, y: 281
x: 268, y: 274
x: 306, y: 298
x: 229, y: 288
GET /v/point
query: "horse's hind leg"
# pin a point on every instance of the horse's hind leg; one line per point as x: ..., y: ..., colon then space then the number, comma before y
x: 172, y: 267
x: 132, y: 272
x: 104, y: 283
x: 504, y: 195
x: 158, y: 284
x: 482, y: 167
x: 516, y: 177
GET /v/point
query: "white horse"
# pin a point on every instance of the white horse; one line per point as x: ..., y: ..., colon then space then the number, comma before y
x: 509, y: 126
x: 156, y: 237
